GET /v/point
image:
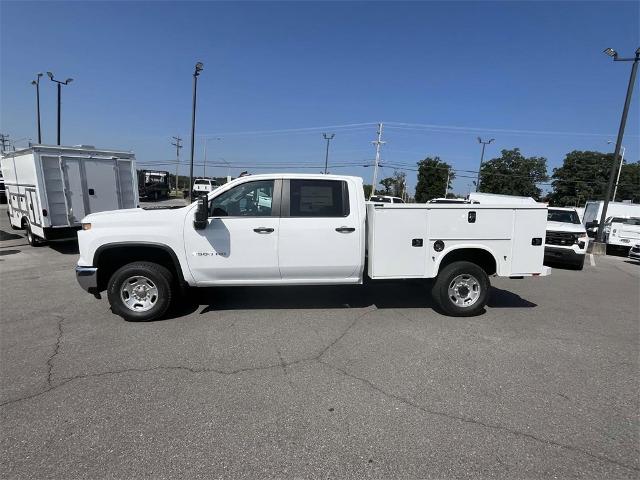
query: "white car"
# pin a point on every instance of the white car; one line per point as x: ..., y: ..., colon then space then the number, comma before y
x: 295, y: 229
x: 566, y: 240
x: 634, y: 252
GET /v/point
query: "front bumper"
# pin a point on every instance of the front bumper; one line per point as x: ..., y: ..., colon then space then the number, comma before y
x: 87, y: 278
x: 563, y: 255
x: 634, y: 254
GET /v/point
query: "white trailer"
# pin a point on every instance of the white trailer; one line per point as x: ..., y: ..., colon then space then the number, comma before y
x: 51, y: 188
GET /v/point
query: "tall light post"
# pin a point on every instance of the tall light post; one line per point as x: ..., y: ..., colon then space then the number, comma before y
x: 328, y: 137
x: 484, y: 144
x: 60, y: 83
x: 196, y: 73
x: 623, y: 122
x: 615, y: 190
x: 36, y: 83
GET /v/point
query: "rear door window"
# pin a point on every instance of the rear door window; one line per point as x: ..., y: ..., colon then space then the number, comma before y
x: 318, y: 198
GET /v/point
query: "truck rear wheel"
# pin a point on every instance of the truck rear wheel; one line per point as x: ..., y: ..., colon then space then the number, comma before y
x: 461, y: 289
x: 140, y: 291
x: 32, y: 238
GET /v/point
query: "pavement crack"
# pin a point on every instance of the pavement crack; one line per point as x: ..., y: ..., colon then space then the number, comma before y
x: 472, y: 421
x: 281, y: 364
x: 56, y: 350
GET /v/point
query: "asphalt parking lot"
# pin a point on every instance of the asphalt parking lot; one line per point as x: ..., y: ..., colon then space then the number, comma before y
x: 343, y: 382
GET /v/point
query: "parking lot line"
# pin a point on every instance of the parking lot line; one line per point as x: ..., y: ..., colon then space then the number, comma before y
x: 592, y: 260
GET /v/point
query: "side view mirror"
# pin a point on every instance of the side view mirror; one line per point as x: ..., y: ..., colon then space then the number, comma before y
x: 592, y: 224
x: 202, y: 214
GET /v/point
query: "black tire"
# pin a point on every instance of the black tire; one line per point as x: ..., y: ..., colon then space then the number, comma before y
x: 32, y: 238
x: 477, y: 278
x: 159, y: 277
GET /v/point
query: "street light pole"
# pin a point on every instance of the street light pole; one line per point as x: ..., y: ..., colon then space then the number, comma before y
x: 623, y: 122
x: 484, y: 144
x: 196, y: 73
x: 36, y: 82
x: 328, y: 138
x: 60, y: 83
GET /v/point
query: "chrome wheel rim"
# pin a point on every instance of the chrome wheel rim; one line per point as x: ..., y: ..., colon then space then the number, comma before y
x: 138, y: 293
x: 464, y: 290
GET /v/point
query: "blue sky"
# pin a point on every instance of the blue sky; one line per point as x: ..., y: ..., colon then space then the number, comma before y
x: 529, y: 74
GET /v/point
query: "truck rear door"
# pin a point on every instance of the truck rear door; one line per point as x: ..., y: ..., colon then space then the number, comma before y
x: 321, y: 232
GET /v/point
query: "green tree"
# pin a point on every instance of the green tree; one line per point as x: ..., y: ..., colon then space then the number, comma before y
x: 513, y: 174
x: 399, y: 183
x: 583, y: 176
x: 388, y: 184
x: 432, y: 179
x: 367, y: 190
x: 629, y: 185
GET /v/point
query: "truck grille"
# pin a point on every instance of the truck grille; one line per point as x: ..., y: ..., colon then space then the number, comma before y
x: 560, y: 238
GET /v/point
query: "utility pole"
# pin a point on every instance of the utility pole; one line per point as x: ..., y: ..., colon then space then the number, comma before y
x: 178, y: 147
x: 446, y: 186
x: 623, y: 123
x: 484, y: 144
x: 378, y: 143
x: 4, y: 142
x: 328, y: 138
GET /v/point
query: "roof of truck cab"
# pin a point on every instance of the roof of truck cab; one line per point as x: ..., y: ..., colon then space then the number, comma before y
x: 303, y: 176
x: 62, y: 149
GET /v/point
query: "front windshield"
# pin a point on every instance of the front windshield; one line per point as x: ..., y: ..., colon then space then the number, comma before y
x: 563, y: 216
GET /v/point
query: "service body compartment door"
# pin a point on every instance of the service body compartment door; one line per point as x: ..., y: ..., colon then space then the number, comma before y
x: 102, y: 189
x: 398, y: 241
x: 74, y: 188
x: 528, y: 241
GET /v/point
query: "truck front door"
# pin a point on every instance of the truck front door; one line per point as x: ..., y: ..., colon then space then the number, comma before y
x: 321, y: 237
x: 240, y: 243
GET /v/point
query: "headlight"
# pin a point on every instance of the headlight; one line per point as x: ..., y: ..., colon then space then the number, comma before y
x: 86, y: 226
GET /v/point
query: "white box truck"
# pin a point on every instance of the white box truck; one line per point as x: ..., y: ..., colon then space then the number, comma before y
x: 51, y: 188
x: 296, y: 229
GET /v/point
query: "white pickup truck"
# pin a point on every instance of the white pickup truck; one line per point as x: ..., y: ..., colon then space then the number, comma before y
x: 295, y: 229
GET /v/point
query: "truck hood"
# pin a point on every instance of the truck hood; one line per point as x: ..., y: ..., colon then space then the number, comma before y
x: 128, y: 215
x: 566, y: 227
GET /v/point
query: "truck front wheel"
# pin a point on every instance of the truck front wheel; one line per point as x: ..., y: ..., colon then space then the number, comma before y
x: 461, y: 289
x: 140, y: 291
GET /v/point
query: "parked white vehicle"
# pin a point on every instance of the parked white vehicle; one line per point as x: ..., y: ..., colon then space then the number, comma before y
x: 634, y: 252
x: 292, y: 229
x: 385, y: 199
x: 566, y: 240
x: 593, y: 212
x: 497, y: 199
x: 51, y: 188
x: 203, y: 186
x: 622, y: 232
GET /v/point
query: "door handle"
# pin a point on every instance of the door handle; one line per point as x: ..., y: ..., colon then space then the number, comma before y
x: 263, y: 230
x: 345, y: 229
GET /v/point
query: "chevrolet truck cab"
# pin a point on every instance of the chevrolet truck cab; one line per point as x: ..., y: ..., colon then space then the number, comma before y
x: 566, y: 239
x: 295, y: 229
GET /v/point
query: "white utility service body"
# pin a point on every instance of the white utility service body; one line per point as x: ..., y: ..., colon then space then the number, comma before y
x: 51, y: 188
x: 292, y: 229
x: 593, y: 212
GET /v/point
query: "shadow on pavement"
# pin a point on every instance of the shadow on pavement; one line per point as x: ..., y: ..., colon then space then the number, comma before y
x: 8, y: 252
x: 407, y: 294
x: 9, y: 236
x: 69, y: 247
